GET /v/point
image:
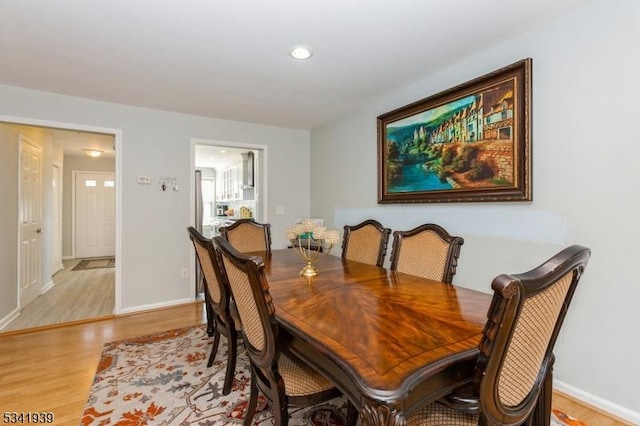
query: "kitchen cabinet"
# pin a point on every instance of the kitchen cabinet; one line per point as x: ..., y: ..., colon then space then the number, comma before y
x: 230, y: 184
x: 236, y: 183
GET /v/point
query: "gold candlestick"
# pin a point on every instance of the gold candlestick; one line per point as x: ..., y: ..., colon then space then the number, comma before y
x: 312, y: 242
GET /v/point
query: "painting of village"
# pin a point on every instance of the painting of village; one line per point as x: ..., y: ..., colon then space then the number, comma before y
x: 466, y: 143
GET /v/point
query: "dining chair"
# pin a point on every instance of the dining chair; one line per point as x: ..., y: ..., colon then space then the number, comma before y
x: 516, y: 350
x: 365, y: 242
x: 282, y: 378
x: 221, y: 309
x: 247, y: 235
x: 426, y: 251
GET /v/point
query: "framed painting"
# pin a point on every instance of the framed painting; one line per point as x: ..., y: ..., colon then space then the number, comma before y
x: 469, y: 143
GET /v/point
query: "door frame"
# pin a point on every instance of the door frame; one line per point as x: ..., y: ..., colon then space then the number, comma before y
x: 260, y: 174
x: 74, y: 175
x: 117, y: 135
x: 58, y: 172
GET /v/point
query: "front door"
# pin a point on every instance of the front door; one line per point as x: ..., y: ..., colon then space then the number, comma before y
x: 95, y: 214
x: 30, y: 214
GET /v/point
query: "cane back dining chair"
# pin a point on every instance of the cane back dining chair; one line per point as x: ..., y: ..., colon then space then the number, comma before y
x: 516, y: 350
x: 365, y: 242
x: 427, y: 251
x: 282, y: 378
x: 220, y: 308
x: 247, y: 235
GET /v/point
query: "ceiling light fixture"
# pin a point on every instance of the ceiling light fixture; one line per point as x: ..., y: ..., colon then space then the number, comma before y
x: 300, y: 52
x: 93, y: 152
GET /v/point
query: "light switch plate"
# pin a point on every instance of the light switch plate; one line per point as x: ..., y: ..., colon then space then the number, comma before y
x: 279, y: 210
x: 144, y: 180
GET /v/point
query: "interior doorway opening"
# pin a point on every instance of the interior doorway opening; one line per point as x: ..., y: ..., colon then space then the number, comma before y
x: 59, y: 140
x: 228, y: 184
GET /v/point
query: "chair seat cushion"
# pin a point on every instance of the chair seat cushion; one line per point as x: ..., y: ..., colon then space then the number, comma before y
x: 438, y: 414
x: 299, y: 378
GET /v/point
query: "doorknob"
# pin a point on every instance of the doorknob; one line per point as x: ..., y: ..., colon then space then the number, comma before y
x: 39, y: 230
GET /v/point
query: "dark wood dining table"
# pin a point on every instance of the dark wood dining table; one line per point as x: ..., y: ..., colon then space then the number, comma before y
x: 391, y: 342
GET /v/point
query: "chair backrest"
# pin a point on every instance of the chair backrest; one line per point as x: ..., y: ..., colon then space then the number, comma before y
x: 365, y: 242
x: 216, y: 285
x: 250, y: 290
x: 247, y: 235
x: 524, y: 319
x: 427, y: 251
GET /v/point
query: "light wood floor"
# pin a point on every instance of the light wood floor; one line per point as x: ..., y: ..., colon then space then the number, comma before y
x: 51, y: 369
x: 76, y: 295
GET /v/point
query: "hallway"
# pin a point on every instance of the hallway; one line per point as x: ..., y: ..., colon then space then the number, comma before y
x: 76, y: 295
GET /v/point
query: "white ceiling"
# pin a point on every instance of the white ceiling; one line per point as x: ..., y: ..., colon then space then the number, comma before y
x: 217, y: 157
x: 228, y: 59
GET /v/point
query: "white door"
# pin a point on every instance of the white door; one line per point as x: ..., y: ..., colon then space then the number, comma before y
x: 95, y: 214
x: 30, y: 214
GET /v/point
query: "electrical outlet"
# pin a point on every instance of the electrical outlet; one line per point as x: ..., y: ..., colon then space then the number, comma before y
x: 184, y: 273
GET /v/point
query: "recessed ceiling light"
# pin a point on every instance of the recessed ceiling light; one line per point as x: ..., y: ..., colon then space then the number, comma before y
x: 300, y: 52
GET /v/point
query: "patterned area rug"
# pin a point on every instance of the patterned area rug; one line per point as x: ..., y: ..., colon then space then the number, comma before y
x: 163, y: 379
x: 95, y: 263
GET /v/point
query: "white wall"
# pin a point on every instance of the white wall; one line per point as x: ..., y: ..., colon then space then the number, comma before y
x: 154, y: 242
x: 585, y: 187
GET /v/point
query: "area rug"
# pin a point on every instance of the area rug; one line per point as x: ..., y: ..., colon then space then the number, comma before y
x: 95, y: 263
x: 163, y: 379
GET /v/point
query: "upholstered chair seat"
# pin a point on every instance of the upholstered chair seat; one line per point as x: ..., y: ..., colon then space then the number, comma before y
x: 438, y: 414
x: 300, y: 380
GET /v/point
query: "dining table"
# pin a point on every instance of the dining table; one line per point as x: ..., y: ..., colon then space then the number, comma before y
x: 390, y: 342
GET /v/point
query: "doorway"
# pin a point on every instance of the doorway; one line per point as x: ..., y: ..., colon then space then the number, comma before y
x: 229, y: 184
x: 53, y: 257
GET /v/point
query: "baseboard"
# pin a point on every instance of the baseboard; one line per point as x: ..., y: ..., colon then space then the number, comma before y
x: 150, y: 307
x: 6, y: 320
x: 596, y: 402
x: 48, y: 286
x: 68, y: 257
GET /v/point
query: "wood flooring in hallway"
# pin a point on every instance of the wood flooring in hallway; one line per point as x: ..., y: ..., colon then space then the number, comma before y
x: 75, y: 296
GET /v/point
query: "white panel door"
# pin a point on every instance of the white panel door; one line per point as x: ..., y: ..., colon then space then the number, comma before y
x: 95, y: 214
x: 30, y: 257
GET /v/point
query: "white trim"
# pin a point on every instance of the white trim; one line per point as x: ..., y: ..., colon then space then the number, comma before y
x: 213, y: 142
x: 57, y: 165
x: 262, y: 175
x: 48, y: 286
x: 4, y: 322
x: 117, y: 134
x: 596, y: 401
x: 152, y: 306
